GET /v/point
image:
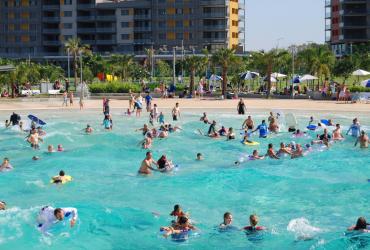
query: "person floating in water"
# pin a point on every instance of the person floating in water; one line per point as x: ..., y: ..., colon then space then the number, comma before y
x: 253, y: 220
x: 284, y: 150
x: 355, y: 128
x: 361, y: 226
x: 2, y: 205
x: 61, y: 178
x: 230, y: 134
x: 146, y: 165
x: 49, y: 216
x: 255, y: 155
x: 88, y: 129
x: 262, y: 129
x: 363, y: 139
x: 6, y: 166
x: 182, y: 226
x: 228, y: 220
x: 199, y: 157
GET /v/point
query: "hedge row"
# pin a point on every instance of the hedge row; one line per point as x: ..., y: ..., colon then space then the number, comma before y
x: 114, y: 87
x: 359, y: 89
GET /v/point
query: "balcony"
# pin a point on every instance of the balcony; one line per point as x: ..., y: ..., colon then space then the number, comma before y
x: 143, y: 41
x: 86, y: 30
x: 54, y: 19
x: 106, y: 30
x: 214, y: 27
x: 148, y: 16
x: 214, y: 15
x: 51, y: 43
x: 106, y: 18
x: 212, y: 3
x: 352, y: 1
x: 327, y: 15
x: 149, y: 28
x: 86, y: 18
x: 358, y: 12
x: 86, y: 6
x: 327, y: 27
x: 51, y: 7
x: 327, y: 3
x: 51, y: 31
x: 106, y: 42
x: 88, y: 42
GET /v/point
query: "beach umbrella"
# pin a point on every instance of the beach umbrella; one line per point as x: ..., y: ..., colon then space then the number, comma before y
x: 366, y: 83
x: 360, y: 72
x: 307, y: 78
x: 249, y: 75
x: 273, y: 79
x: 278, y: 75
x: 214, y: 77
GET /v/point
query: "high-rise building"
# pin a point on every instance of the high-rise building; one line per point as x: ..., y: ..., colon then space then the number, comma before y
x: 37, y: 28
x: 347, y: 22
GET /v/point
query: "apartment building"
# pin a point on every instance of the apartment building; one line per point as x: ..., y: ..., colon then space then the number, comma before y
x: 347, y: 22
x: 39, y: 28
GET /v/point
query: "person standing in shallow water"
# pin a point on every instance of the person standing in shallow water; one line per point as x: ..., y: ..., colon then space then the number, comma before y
x: 241, y: 107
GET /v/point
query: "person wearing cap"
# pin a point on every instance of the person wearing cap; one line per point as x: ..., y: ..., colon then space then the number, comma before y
x: 2, y: 205
x: 363, y: 139
x: 88, y: 129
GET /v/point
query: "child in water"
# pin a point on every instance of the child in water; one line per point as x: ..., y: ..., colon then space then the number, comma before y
x: 253, y: 220
x: 161, y: 118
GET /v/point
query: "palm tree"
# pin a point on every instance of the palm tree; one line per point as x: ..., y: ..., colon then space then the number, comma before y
x: 74, y: 47
x: 194, y: 64
x: 123, y: 64
x: 149, y: 63
x: 225, y: 58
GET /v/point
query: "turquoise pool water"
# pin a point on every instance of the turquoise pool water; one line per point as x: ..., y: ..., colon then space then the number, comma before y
x: 120, y: 210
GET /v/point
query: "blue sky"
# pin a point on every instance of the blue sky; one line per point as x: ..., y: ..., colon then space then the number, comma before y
x: 295, y: 21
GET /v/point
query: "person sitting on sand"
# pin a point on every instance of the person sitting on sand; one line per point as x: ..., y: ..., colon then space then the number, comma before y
x: 253, y: 220
x: 361, y: 226
x: 255, y: 156
x: 228, y: 220
x: 230, y: 134
x: 248, y: 123
x: 204, y: 118
x: 284, y: 150
x: 212, y: 130
x: 363, y: 139
x: 337, y: 133
x: 6, y: 166
x: 88, y: 129
x: 271, y: 152
x: 146, y: 164
x: 2, y: 205
x: 298, y: 152
x: 182, y: 226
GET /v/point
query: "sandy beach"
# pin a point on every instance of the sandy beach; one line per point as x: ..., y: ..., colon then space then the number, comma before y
x: 252, y: 104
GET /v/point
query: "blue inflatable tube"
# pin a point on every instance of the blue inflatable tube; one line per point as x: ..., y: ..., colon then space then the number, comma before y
x: 311, y: 127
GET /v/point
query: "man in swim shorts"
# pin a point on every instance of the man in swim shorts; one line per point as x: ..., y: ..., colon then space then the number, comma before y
x: 212, y: 130
x: 298, y: 152
x: 248, y: 123
x: 48, y: 216
x: 337, y: 133
x: 363, y: 139
x: 146, y: 164
x: 14, y: 119
x: 284, y: 150
x: 271, y: 152
x: 262, y: 129
x: 176, y: 112
x: 204, y: 118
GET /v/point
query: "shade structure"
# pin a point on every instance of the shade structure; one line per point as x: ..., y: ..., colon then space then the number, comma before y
x: 308, y: 78
x: 360, y: 72
x: 214, y: 77
x: 273, y: 79
x: 249, y: 75
x: 6, y: 68
x: 278, y: 75
x: 366, y: 83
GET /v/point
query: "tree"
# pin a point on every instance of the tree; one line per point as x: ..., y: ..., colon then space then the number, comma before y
x: 75, y: 48
x: 194, y: 64
x: 344, y: 68
x: 224, y: 58
x: 149, y: 62
x: 88, y: 75
x: 121, y: 64
x: 163, y: 68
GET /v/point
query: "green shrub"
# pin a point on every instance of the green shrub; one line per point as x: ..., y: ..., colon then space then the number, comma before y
x: 114, y: 87
x: 359, y: 89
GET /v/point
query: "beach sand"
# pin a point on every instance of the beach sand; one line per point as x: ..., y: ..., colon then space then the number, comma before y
x: 252, y: 104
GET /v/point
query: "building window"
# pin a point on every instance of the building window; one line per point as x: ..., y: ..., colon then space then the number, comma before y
x: 67, y: 2
x: 125, y: 24
x: 17, y: 3
x: 179, y: 24
x: 179, y: 11
x: 32, y: 38
x: 162, y: 12
x: 67, y: 25
x: 235, y: 23
x: 125, y: 12
x: 234, y: 11
x: 191, y: 11
x: 161, y: 36
x: 67, y: 37
x: 190, y: 35
x: 33, y: 2
x: 125, y: 36
x: 161, y: 24
x: 179, y: 36
x: 67, y: 13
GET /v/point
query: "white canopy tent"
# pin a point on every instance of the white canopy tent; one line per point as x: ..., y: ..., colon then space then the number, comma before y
x: 360, y: 72
x: 307, y: 78
x: 278, y: 75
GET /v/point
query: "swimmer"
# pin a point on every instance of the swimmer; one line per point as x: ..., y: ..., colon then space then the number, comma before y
x: 145, y: 129
x: 361, y: 226
x: 156, y: 112
x: 228, y: 220
x: 146, y: 164
x: 176, y: 112
x: 35, y: 158
x: 164, y: 164
x: 107, y: 122
x: 182, y: 226
x: 253, y: 220
x: 2, y: 205
x: 172, y: 129
x: 40, y: 131
x: 262, y: 129
x: 34, y: 139
x: 6, y: 166
x: 323, y: 139
x: 274, y: 126
x: 284, y: 150
x: 128, y: 112
x: 212, y: 130
x: 200, y: 157
x: 330, y: 122
x: 363, y: 139
x: 147, y: 142
x: 60, y: 148
x: 7, y: 123
x: 154, y: 133
x: 298, y: 152
x: 311, y: 122
x: 230, y: 134
x: 51, y: 149
x: 222, y: 131
x: 88, y: 129
x: 255, y: 156
x: 246, y: 138
x: 355, y: 128
x: 49, y: 216
x: 60, y: 178
x: 204, y: 118
x: 248, y: 123
x: 161, y: 118
x: 151, y: 117
x: 271, y: 153
x: 271, y: 117
x: 163, y: 134
x: 21, y: 126
x: 177, y: 212
x: 337, y: 133
x: 299, y: 133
